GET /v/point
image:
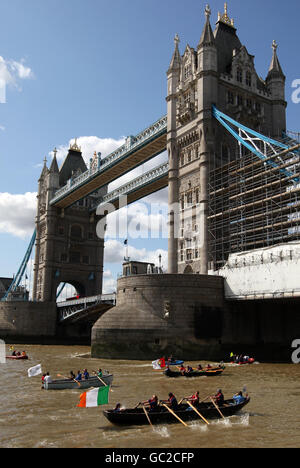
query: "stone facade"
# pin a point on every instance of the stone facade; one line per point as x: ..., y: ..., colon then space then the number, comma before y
x: 67, y: 247
x: 221, y: 72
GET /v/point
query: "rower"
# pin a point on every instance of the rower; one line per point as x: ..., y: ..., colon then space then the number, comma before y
x: 152, y: 403
x: 72, y: 375
x: 199, y: 367
x: 219, y: 398
x: 182, y: 369
x: 189, y: 369
x: 48, y: 378
x: 100, y: 373
x: 171, y: 401
x: 79, y: 376
x: 86, y: 374
x: 239, y: 398
x: 194, y: 399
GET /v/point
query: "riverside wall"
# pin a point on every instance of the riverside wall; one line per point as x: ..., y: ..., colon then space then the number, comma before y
x: 28, y: 322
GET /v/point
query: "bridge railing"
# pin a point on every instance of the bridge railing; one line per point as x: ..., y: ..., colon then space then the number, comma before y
x: 88, y: 300
x: 139, y: 182
x: 131, y: 144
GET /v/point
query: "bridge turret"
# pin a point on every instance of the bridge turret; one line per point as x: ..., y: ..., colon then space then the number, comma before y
x: 276, y: 86
x: 173, y: 75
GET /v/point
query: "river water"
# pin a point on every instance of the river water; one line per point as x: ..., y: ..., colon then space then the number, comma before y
x: 34, y: 418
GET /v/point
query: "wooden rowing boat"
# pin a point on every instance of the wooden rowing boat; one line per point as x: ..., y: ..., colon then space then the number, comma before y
x: 204, y: 373
x: 70, y: 384
x: 136, y: 416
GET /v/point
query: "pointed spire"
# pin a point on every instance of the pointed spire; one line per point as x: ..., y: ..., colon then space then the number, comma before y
x: 45, y: 170
x: 275, y: 70
x: 176, y: 59
x: 54, y: 165
x: 207, y: 38
x: 225, y: 18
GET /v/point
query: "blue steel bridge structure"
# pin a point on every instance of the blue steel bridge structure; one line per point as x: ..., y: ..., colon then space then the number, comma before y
x: 278, y: 159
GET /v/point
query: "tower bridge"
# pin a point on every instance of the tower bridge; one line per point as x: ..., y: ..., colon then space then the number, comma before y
x: 234, y: 172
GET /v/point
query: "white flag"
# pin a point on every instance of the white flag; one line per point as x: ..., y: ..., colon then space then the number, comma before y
x: 156, y: 365
x: 34, y: 371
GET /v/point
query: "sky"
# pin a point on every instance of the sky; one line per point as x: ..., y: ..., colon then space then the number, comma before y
x: 96, y: 70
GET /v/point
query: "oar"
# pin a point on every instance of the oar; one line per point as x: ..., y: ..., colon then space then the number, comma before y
x: 199, y: 414
x: 59, y: 375
x: 147, y: 415
x: 102, y: 381
x: 172, y: 412
x: 217, y: 408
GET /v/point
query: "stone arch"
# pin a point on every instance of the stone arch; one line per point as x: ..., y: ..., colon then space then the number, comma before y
x: 188, y: 270
x: 79, y: 288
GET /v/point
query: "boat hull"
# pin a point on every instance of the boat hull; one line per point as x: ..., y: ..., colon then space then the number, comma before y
x: 212, y: 373
x: 137, y: 417
x: 82, y: 385
x: 17, y: 358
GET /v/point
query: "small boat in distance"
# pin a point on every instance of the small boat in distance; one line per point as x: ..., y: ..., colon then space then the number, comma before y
x: 18, y: 358
x: 71, y: 384
x: 194, y: 373
x: 137, y: 416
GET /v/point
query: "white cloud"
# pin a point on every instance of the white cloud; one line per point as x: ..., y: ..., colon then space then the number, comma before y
x: 11, y: 72
x: 17, y: 214
x: 88, y: 145
x: 115, y: 251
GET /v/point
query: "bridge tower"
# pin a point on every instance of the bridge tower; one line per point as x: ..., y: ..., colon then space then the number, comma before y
x: 67, y: 247
x: 220, y: 72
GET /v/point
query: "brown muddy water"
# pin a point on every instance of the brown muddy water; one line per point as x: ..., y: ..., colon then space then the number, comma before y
x: 34, y: 418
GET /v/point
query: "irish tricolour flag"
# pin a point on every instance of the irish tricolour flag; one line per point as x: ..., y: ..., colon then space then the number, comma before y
x: 95, y: 397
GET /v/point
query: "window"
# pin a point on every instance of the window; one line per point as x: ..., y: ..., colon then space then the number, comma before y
x: 74, y: 257
x: 239, y: 75
x: 248, y: 79
x: 189, y: 198
x: 230, y: 97
x: 86, y: 259
x: 240, y: 100
x: 249, y: 103
x: 258, y: 107
x: 76, y: 231
x: 189, y: 255
x: 64, y: 258
x: 187, y: 71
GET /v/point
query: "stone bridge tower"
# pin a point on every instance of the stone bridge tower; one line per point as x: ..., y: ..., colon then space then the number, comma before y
x: 67, y: 247
x: 221, y: 72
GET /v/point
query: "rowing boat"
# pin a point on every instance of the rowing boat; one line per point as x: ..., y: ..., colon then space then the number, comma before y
x: 68, y: 384
x: 137, y: 416
x: 204, y: 373
x: 17, y: 358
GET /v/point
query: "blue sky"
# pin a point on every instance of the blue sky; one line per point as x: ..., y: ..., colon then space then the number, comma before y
x: 98, y: 68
